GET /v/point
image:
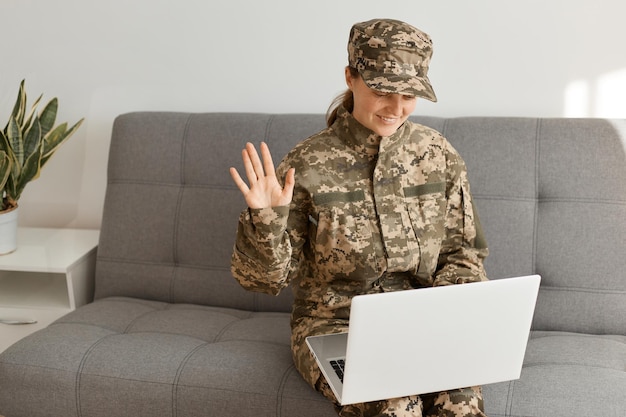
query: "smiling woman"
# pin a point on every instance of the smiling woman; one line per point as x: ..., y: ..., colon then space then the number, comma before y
x: 380, y: 112
x: 360, y: 208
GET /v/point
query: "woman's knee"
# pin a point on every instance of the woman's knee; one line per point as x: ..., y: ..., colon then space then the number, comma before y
x: 463, y: 402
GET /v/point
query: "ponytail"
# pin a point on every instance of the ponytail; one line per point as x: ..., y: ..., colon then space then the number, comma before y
x: 346, y: 100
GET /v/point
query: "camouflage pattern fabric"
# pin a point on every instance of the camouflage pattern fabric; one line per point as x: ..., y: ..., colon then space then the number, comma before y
x: 369, y: 214
x: 464, y: 402
x: 392, y: 57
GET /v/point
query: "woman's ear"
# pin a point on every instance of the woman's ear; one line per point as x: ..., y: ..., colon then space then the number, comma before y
x: 349, y: 79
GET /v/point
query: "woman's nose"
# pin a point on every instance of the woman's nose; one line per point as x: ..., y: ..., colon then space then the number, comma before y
x: 395, y: 103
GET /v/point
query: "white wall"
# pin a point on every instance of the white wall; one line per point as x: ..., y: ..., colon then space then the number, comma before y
x: 547, y: 58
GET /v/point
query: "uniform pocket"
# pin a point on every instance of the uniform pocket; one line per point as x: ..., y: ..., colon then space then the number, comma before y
x: 426, y: 204
x: 344, y: 245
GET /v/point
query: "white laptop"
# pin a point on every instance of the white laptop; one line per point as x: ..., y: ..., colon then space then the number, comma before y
x: 431, y: 339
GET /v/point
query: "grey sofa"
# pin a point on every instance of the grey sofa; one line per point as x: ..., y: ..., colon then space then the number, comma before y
x: 171, y: 333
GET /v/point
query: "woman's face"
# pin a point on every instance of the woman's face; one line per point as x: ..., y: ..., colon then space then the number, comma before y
x: 383, y: 113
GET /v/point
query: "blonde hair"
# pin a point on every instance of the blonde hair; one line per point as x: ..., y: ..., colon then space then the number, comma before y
x: 346, y: 99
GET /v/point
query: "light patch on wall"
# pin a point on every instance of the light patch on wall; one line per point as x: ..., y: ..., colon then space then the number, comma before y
x: 611, y: 95
x: 604, y: 97
x: 577, y: 99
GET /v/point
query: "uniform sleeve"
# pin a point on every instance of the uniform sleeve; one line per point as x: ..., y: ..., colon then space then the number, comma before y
x: 262, y: 250
x: 464, y: 246
x: 268, y: 245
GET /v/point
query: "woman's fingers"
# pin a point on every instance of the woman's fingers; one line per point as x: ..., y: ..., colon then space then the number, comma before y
x: 263, y: 188
x: 268, y: 163
x: 239, y: 182
x: 255, y: 161
x: 258, y: 167
x: 248, y: 167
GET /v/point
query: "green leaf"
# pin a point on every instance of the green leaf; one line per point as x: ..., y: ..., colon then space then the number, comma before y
x: 20, y: 105
x: 16, y: 141
x: 32, y: 138
x: 56, y: 138
x: 33, y: 111
x: 48, y: 116
x: 4, y: 143
x: 16, y: 168
x: 5, y: 170
x: 30, y: 171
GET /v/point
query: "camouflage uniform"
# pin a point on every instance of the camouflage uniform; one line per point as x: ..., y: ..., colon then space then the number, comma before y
x: 369, y: 214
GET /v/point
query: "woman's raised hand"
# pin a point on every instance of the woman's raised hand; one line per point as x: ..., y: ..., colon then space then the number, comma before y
x: 264, y: 189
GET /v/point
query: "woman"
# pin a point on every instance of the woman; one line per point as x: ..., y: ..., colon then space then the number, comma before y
x: 372, y: 203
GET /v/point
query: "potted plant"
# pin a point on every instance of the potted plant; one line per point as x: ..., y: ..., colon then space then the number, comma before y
x: 26, y: 144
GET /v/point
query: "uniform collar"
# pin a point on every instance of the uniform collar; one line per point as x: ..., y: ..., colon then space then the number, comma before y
x: 362, y: 139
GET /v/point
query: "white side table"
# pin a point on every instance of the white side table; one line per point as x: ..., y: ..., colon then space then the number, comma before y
x: 50, y: 274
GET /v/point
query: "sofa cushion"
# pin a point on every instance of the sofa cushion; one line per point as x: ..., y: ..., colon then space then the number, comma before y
x: 122, y: 357
x: 561, y: 366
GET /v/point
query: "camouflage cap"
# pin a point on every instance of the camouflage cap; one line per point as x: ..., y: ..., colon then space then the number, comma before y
x: 392, y: 57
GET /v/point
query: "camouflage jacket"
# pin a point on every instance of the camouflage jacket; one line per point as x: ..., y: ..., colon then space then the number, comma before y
x: 369, y: 213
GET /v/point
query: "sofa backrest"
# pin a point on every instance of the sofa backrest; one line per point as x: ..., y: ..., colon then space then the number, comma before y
x: 171, y: 208
x: 551, y: 194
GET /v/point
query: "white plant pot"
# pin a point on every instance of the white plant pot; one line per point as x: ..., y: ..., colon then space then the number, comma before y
x: 8, y: 231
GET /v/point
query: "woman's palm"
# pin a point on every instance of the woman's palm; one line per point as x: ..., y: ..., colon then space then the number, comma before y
x: 264, y: 189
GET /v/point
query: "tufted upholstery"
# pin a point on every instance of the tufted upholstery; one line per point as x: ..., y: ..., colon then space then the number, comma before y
x: 171, y: 333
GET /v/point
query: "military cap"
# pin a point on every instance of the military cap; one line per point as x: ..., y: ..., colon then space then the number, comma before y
x: 392, y: 57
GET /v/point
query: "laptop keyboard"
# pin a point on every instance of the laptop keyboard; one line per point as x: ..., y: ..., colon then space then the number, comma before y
x: 338, y: 365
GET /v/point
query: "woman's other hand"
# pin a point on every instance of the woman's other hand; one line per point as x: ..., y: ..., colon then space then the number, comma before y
x: 263, y: 189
